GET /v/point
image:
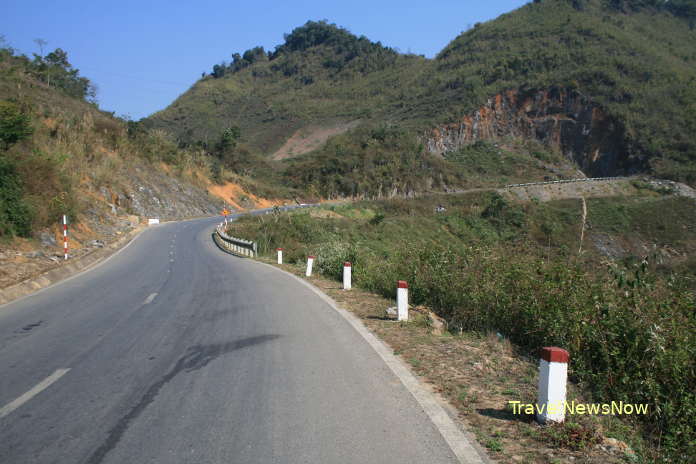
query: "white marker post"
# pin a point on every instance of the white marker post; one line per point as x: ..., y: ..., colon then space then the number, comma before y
x: 280, y: 255
x: 553, y: 374
x: 65, y: 236
x: 402, y: 300
x: 347, y: 267
x: 310, y: 262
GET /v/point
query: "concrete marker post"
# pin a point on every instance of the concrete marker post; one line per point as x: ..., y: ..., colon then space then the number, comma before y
x: 280, y: 255
x: 65, y: 236
x: 402, y: 300
x: 347, y: 268
x: 310, y: 262
x: 553, y: 375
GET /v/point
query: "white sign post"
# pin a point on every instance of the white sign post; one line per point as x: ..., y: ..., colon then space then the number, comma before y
x: 402, y: 300
x: 553, y: 374
x: 310, y: 262
x: 347, y: 268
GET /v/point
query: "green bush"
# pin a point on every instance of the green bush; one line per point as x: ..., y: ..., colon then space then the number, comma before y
x: 15, y: 125
x: 15, y: 214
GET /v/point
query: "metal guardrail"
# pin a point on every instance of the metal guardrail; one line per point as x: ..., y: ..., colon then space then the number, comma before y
x: 234, y: 245
x: 247, y: 248
x: 566, y: 181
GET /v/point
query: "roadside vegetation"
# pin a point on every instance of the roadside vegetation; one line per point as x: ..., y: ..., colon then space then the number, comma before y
x: 489, y: 265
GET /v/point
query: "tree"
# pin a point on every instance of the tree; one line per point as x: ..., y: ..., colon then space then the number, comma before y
x: 228, y: 139
x: 218, y: 70
x: 41, y: 43
x: 56, y: 60
x: 14, y: 124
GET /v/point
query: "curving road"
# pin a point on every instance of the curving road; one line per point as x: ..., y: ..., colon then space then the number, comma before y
x: 174, y: 352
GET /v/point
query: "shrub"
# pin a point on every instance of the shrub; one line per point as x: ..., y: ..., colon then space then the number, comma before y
x: 15, y: 125
x: 15, y: 214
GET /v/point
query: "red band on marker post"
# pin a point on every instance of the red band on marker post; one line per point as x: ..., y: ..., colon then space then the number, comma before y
x: 402, y: 284
x: 554, y: 354
x: 346, y: 264
x: 279, y: 249
x: 310, y: 257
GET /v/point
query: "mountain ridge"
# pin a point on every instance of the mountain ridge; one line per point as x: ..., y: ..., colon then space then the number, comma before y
x: 626, y: 57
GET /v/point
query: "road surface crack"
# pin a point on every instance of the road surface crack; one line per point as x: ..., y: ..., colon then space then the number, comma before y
x: 196, y: 358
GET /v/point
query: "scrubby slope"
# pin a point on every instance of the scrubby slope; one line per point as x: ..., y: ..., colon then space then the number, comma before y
x: 321, y: 72
x: 629, y: 64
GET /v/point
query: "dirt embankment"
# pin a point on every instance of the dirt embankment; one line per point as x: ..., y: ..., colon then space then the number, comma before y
x: 235, y: 196
x: 310, y: 138
x: 109, y: 212
x: 109, y: 208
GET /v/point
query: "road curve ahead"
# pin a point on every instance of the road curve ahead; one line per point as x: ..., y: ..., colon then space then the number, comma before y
x: 174, y: 352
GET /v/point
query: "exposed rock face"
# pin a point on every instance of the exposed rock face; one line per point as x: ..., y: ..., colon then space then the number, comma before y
x: 562, y: 119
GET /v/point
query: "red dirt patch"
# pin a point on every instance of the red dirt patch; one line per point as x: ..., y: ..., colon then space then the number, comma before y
x: 239, y: 198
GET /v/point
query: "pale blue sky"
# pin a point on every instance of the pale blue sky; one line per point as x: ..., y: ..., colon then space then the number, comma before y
x: 142, y: 55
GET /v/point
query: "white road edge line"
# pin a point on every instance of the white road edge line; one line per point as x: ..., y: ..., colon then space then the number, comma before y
x: 149, y: 299
x: 41, y: 386
x: 462, y: 446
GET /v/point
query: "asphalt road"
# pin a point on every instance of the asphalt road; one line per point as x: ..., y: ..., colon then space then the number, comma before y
x: 174, y: 352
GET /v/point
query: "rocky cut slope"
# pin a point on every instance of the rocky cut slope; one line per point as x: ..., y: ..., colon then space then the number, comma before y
x: 562, y: 119
x: 60, y: 155
x: 611, y: 84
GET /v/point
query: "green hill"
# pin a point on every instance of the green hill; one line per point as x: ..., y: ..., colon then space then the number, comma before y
x: 321, y: 72
x: 633, y: 62
x: 59, y: 154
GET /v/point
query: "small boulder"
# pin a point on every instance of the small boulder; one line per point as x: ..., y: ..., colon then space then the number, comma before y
x: 615, y: 446
x: 47, y: 239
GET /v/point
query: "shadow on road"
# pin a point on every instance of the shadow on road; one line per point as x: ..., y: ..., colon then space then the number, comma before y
x: 196, y: 357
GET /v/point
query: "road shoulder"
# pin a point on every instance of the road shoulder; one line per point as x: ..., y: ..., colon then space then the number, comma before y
x: 441, y: 413
x: 68, y: 270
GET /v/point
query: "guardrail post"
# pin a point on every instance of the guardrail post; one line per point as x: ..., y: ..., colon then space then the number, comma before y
x: 254, y: 247
x: 347, y: 267
x: 402, y: 300
x: 310, y: 262
x: 553, y: 374
x: 280, y: 255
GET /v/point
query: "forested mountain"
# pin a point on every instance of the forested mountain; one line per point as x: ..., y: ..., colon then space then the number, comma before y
x: 632, y: 64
